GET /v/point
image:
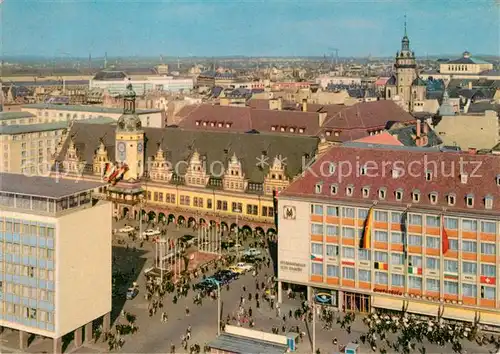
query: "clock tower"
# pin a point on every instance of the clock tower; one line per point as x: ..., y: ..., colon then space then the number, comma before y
x: 129, y: 135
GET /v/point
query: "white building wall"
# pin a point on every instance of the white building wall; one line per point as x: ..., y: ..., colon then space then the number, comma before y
x: 83, y: 267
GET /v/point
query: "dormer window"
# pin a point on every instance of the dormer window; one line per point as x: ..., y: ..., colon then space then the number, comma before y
x: 428, y: 175
x: 366, y: 192
x: 337, y: 133
x: 212, y: 124
x: 197, y: 122
x: 463, y: 178
x: 399, y: 194
x: 349, y: 190
x: 204, y: 124
x: 451, y: 198
x: 292, y: 130
x: 283, y: 129
x: 273, y: 128
x: 334, y: 189
x: 362, y: 170
x: 498, y: 180
x: 228, y: 125
x: 318, y: 188
x: 488, y: 202
x: 331, y: 168
x: 433, y: 197
x: 219, y: 125
x: 301, y: 130
x: 328, y: 133
x: 469, y: 200
x: 415, y: 196
x: 382, y: 192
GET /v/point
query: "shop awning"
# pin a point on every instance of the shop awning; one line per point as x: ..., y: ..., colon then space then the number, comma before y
x: 489, y: 318
x: 455, y: 313
x: 423, y: 308
x: 387, y: 303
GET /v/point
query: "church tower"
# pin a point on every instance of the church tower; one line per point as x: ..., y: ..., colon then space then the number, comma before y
x: 406, y: 71
x: 130, y: 138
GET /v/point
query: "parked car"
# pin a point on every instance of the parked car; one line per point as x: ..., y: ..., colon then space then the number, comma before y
x: 245, y: 266
x: 236, y: 269
x: 206, y: 284
x: 151, y: 233
x: 252, y: 252
x: 132, y: 293
x: 126, y: 229
x: 251, y: 259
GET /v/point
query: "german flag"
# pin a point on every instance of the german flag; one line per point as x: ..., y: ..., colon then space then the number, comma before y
x: 381, y: 265
x: 367, y: 233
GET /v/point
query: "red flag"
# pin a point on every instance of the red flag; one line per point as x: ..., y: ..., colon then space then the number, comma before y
x: 444, y: 237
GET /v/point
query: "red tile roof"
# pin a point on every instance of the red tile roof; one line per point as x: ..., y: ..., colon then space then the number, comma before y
x: 343, y: 123
x: 380, y: 162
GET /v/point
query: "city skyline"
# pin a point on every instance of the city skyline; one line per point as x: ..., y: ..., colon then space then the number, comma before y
x: 129, y: 28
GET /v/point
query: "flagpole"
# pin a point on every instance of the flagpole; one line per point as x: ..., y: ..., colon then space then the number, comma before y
x: 441, y: 257
x: 405, y: 247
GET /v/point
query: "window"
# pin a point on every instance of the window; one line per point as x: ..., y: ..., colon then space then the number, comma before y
x: 348, y: 232
x: 488, y: 248
x: 332, y: 271
x: 397, y: 258
x: 381, y: 216
x: 488, y: 202
x: 416, y: 219
x: 348, y: 213
x: 317, y: 188
x: 432, y: 263
x: 488, y: 227
x: 396, y: 237
x: 316, y: 209
x: 488, y: 270
x: 317, y: 268
x: 397, y: 280
x: 415, y: 261
x: 348, y: 252
x: 469, y: 199
x: 451, y: 199
x: 237, y: 207
x: 332, y: 211
x: 334, y: 189
x: 414, y: 282
x: 450, y: 287
x: 469, y: 246
x: 416, y: 196
x: 469, y: 268
x: 381, y: 278
x: 432, y: 285
x: 332, y: 250
x: 317, y: 248
x: 469, y: 225
x: 381, y: 236
x: 364, y: 254
x: 453, y: 244
x: 451, y: 223
x: 450, y: 266
x: 380, y: 256
x: 396, y: 217
x: 366, y: 192
x: 382, y: 193
x: 317, y: 229
x: 332, y: 230
x: 414, y: 240
x: 365, y: 275
x: 488, y: 292
x: 469, y: 290
x: 432, y: 221
x: 362, y: 214
x: 428, y: 175
x: 349, y: 191
x: 348, y: 273
x: 432, y: 242
x: 399, y: 195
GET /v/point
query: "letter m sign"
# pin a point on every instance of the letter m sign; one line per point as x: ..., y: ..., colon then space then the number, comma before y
x: 289, y: 212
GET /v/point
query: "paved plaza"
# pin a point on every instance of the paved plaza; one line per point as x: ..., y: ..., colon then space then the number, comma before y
x: 155, y: 336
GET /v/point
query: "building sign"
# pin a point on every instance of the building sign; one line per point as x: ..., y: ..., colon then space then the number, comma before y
x: 292, y: 266
x: 289, y: 212
x: 386, y: 291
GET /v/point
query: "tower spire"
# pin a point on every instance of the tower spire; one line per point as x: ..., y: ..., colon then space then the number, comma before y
x: 406, y: 34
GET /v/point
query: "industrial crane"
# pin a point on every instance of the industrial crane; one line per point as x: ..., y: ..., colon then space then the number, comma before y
x: 336, y: 50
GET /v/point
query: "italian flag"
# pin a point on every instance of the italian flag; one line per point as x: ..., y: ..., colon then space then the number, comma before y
x: 414, y: 270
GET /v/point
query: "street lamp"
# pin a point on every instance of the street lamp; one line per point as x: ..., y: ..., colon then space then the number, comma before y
x: 313, y: 306
x: 218, y: 308
x: 237, y: 211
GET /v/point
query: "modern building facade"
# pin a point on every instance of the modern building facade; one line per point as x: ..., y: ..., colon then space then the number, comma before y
x: 55, y: 271
x: 432, y: 222
x: 55, y: 113
x: 142, y: 87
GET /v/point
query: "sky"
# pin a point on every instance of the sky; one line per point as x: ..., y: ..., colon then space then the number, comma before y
x: 59, y: 28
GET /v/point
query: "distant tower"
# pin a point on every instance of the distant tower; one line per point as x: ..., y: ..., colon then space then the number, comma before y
x: 90, y: 61
x: 105, y: 60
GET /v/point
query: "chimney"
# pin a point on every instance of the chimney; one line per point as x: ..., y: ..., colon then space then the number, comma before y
x: 304, y: 105
x: 321, y: 118
x: 418, y: 128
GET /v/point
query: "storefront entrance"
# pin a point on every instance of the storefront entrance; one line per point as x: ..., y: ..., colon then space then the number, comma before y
x: 356, y: 302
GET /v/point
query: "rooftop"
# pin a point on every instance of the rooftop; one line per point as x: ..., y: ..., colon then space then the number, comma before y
x: 403, y: 172
x: 242, y: 345
x: 85, y: 108
x: 43, y: 186
x: 15, y: 115
x: 31, y: 128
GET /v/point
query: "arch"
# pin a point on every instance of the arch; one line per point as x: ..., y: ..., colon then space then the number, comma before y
x: 171, y: 218
x: 125, y: 212
x: 202, y: 222
x: 271, y: 231
x: 162, y: 217
x: 151, y: 216
x: 143, y: 215
x: 191, y: 221
x: 234, y: 227
x: 223, y: 226
x: 259, y: 231
x: 181, y: 220
x: 213, y: 223
x: 246, y: 230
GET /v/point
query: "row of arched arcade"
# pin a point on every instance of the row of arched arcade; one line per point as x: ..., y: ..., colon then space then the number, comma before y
x: 187, y: 220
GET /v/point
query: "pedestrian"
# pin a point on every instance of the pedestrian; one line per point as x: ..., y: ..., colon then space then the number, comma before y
x: 290, y: 313
x: 249, y: 296
x: 172, y: 348
x: 250, y: 312
x: 244, y: 288
x: 257, y: 303
x: 256, y: 296
x: 187, y: 311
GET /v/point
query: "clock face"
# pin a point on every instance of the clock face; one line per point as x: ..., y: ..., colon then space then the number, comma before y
x: 139, y: 147
x: 121, y: 147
